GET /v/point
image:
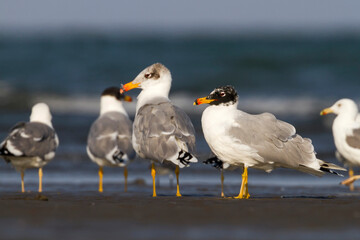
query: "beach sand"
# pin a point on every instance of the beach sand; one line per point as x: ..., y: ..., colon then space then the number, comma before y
x: 198, y: 215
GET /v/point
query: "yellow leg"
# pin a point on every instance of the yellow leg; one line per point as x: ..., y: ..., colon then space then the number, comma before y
x: 153, y: 174
x: 101, y: 174
x: 351, y: 174
x: 22, y: 182
x: 243, y: 194
x: 222, y: 183
x: 351, y: 179
x: 246, y: 193
x: 125, y: 178
x: 40, y: 179
x: 177, y: 171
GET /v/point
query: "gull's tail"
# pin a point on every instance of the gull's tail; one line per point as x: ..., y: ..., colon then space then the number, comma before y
x: 330, y: 167
x: 324, y: 168
x: 185, y: 158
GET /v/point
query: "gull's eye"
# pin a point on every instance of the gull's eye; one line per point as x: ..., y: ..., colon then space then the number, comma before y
x: 339, y: 105
x: 148, y: 75
x: 222, y: 94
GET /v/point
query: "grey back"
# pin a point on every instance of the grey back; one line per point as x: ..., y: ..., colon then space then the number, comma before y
x: 275, y: 140
x: 160, y: 128
x: 111, y: 130
x: 32, y: 139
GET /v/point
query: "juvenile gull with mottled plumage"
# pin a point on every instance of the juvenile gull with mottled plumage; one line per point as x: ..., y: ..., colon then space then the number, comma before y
x: 31, y: 144
x: 346, y: 132
x: 162, y: 131
x: 258, y: 141
x: 109, y: 140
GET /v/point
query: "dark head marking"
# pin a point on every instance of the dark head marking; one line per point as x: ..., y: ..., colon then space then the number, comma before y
x: 154, y: 71
x: 225, y: 95
x: 113, y: 92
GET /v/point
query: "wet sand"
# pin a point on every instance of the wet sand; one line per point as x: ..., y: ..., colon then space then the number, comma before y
x: 198, y: 215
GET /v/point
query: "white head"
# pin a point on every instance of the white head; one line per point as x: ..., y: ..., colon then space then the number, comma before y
x: 40, y: 112
x: 155, y: 79
x: 111, y: 101
x: 343, y: 107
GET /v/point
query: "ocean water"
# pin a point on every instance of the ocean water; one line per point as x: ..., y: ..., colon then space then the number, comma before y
x: 294, y: 77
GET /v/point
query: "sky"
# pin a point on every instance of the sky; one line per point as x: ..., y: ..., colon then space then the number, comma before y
x: 153, y: 16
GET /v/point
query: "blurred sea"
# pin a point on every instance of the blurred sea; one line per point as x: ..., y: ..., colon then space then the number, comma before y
x: 293, y: 76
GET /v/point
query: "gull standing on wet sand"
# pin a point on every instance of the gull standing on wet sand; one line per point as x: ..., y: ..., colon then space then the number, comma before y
x: 109, y: 140
x: 31, y: 144
x: 161, y: 131
x: 258, y: 141
x: 346, y: 132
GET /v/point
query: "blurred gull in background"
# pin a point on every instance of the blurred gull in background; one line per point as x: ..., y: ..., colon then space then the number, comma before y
x: 31, y: 144
x: 109, y: 140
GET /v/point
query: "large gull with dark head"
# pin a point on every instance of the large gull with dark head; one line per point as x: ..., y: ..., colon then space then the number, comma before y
x: 257, y: 141
x: 31, y: 144
x: 161, y: 131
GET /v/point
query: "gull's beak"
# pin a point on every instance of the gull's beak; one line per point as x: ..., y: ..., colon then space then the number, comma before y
x: 203, y: 100
x: 127, y: 98
x: 326, y: 111
x: 129, y: 86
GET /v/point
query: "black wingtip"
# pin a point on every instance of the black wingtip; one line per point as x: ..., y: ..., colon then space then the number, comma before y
x: 331, y: 171
x: 215, y: 162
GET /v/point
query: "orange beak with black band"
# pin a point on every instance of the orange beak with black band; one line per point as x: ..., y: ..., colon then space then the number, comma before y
x: 129, y: 86
x: 203, y: 100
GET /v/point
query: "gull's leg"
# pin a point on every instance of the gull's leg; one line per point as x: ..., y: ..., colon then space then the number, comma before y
x: 22, y: 181
x: 351, y: 174
x: 246, y: 193
x: 222, y: 183
x: 40, y: 179
x: 101, y: 174
x: 153, y: 174
x: 125, y: 178
x: 242, y: 189
x: 350, y: 180
x: 177, y: 182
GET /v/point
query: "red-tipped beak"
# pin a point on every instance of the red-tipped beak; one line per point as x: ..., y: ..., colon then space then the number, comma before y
x: 326, y: 111
x: 129, y: 86
x: 203, y: 100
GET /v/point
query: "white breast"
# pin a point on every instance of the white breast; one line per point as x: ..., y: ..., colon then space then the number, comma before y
x: 216, y: 122
x: 340, y: 131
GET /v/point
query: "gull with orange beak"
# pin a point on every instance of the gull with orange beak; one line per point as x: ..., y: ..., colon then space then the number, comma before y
x: 260, y: 141
x: 161, y: 131
x: 346, y: 133
x: 109, y: 140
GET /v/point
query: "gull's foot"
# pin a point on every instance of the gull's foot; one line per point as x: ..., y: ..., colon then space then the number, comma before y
x: 348, y: 181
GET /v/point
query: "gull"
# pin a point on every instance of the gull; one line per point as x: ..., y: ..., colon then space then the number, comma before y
x: 161, y: 130
x: 31, y: 144
x: 346, y: 133
x: 258, y: 141
x: 109, y: 140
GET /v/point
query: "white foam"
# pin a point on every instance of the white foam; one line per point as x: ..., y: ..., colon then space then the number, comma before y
x: 298, y: 106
